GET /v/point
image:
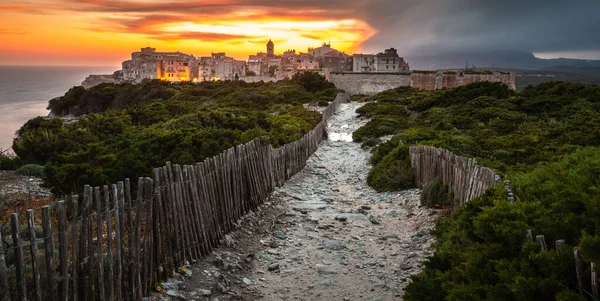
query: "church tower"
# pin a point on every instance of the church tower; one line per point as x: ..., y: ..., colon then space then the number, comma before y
x: 270, y: 49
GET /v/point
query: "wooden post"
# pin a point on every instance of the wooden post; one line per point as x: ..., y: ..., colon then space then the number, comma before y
x: 119, y: 242
x: 74, y: 247
x: 100, y: 241
x: 110, y: 292
x: 34, y: 260
x: 559, y: 245
x: 149, y: 244
x: 542, y: 241
x: 121, y: 223
x: 528, y: 235
x: 19, y: 261
x: 83, y: 251
x: 5, y: 296
x: 578, y: 270
x: 63, y: 251
x: 137, y: 261
x: 49, y: 248
x: 594, y: 282
x: 129, y: 234
x: 161, y: 231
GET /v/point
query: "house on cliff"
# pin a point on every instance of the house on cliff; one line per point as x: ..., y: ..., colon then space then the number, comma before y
x: 387, y: 61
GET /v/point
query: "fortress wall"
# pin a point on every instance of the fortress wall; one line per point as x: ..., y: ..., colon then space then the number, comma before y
x: 369, y: 83
x: 433, y: 80
x: 373, y: 83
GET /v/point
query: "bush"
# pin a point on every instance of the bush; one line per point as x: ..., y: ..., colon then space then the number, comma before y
x: 394, y: 172
x: 32, y: 170
x: 371, y: 142
x: 9, y: 162
x: 436, y: 194
x: 129, y: 129
x: 322, y: 103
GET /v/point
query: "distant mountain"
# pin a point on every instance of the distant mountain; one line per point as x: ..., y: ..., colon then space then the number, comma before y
x: 493, y: 59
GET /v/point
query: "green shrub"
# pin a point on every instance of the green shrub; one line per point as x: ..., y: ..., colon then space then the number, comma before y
x: 385, y: 148
x: 322, y: 103
x: 380, y: 126
x: 371, y: 142
x: 9, y: 162
x: 130, y: 129
x: 394, y: 172
x: 436, y: 194
x: 33, y: 170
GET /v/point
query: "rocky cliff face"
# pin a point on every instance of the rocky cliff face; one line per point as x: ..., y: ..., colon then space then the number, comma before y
x: 94, y: 80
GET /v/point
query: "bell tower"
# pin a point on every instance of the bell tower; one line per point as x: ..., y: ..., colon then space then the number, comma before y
x: 270, y: 49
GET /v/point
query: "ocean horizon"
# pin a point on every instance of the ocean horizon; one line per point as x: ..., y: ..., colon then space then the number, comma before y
x: 26, y: 90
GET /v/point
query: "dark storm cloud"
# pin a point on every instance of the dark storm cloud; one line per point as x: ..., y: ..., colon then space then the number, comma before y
x: 430, y: 26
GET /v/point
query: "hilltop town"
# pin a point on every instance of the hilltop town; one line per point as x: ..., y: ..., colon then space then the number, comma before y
x: 356, y: 73
x: 265, y: 66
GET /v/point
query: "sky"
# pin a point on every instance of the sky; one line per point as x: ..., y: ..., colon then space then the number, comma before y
x: 105, y: 32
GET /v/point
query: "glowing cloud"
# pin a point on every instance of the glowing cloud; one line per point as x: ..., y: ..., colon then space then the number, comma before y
x: 106, y: 32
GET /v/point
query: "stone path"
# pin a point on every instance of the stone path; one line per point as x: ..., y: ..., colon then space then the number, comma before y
x: 325, y: 235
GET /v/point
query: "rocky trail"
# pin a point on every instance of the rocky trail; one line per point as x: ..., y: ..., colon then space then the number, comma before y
x: 324, y: 235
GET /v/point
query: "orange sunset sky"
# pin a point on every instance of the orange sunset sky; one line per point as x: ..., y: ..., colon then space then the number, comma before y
x: 95, y: 32
x: 105, y: 32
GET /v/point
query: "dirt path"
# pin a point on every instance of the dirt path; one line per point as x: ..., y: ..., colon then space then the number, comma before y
x: 325, y: 235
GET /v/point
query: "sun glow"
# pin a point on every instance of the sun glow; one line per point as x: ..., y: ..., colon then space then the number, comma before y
x: 98, y: 33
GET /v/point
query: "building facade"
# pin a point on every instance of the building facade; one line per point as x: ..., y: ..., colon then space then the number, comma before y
x: 390, y: 61
x: 150, y: 64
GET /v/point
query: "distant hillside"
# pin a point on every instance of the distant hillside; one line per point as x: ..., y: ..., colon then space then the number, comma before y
x: 495, y: 59
x: 582, y: 75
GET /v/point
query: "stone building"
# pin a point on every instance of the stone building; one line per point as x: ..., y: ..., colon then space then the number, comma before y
x: 320, y: 51
x: 364, y: 63
x: 387, y: 61
x: 150, y: 64
x: 390, y: 61
x: 206, y: 69
x: 337, y: 61
x: 270, y: 49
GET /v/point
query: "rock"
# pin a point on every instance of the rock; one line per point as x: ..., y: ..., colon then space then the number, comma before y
x: 228, y: 241
x: 411, y: 255
x: 323, y: 270
x: 273, y: 267
x: 395, y: 213
x: 365, y: 207
x: 423, y: 232
x: 279, y: 235
x: 222, y: 287
x: 204, y: 292
x: 175, y: 294
x: 246, y: 281
x: 218, y: 261
x: 341, y: 217
x: 373, y: 220
x: 335, y: 245
x: 171, y: 285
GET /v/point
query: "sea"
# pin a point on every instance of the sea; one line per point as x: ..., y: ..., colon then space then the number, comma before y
x: 26, y: 90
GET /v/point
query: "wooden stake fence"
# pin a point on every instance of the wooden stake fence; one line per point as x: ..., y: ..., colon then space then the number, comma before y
x: 112, y: 246
x: 462, y: 175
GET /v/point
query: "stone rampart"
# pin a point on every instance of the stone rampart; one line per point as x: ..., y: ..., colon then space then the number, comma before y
x: 369, y: 83
x: 373, y: 83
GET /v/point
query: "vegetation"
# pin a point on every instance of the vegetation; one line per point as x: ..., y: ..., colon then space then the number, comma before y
x: 436, y: 194
x: 33, y: 170
x: 546, y: 141
x: 128, y: 129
